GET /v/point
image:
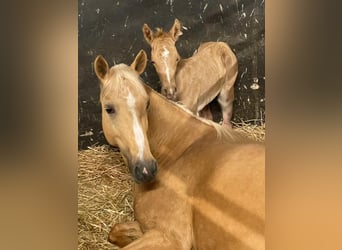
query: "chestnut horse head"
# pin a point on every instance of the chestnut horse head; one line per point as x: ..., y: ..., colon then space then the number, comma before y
x: 124, y: 104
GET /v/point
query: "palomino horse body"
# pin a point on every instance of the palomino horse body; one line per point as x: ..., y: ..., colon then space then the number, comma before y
x: 209, y: 189
x: 197, y: 80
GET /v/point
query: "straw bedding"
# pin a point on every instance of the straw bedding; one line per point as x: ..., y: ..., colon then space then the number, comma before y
x: 105, y: 190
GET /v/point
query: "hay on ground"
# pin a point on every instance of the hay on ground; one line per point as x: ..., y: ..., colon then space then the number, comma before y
x: 105, y: 190
x: 104, y: 195
x: 255, y: 132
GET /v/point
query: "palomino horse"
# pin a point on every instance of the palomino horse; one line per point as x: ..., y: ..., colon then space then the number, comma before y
x: 209, y: 189
x: 197, y: 80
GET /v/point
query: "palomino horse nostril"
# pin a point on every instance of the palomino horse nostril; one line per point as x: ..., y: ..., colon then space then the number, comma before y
x: 164, y: 92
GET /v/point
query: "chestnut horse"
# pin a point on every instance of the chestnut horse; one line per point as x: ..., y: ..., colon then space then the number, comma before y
x: 198, y: 185
x: 197, y: 80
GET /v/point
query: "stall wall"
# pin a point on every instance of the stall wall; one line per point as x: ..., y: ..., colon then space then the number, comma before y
x: 113, y: 29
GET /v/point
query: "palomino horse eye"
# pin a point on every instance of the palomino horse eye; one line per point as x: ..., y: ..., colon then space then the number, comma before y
x: 110, y: 110
x: 153, y: 62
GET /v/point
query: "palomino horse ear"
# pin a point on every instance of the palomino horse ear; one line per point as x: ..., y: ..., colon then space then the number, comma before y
x: 148, y: 33
x: 175, y: 31
x: 101, y: 67
x: 140, y: 61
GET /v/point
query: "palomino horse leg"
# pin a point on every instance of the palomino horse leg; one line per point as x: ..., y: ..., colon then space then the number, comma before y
x: 154, y: 240
x: 123, y: 234
x: 226, y: 96
x: 225, y: 100
x: 206, y: 113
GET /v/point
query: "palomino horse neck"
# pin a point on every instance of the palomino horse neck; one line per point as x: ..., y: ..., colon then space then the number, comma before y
x: 171, y: 128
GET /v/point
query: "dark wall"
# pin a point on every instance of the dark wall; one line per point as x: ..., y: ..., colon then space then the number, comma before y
x: 113, y: 29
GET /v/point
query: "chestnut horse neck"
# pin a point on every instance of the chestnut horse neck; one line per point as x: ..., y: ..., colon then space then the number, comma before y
x: 172, y: 128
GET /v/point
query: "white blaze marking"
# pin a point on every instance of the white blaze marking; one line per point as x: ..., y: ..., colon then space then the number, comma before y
x: 138, y: 133
x: 165, y: 55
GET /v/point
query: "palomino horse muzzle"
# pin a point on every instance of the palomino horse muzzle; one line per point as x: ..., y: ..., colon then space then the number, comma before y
x: 170, y: 93
x: 144, y: 172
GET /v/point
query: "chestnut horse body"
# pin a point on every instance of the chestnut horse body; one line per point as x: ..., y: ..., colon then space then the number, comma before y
x: 199, y: 185
x: 197, y: 80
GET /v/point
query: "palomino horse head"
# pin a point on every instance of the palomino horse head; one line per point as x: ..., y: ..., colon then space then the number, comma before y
x: 124, y: 114
x: 165, y: 56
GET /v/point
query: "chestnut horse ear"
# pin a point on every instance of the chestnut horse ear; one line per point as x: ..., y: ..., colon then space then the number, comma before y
x: 148, y: 33
x: 175, y: 31
x: 140, y: 61
x: 101, y: 67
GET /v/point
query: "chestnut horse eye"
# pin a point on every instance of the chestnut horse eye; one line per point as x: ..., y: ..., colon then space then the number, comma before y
x: 110, y: 110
